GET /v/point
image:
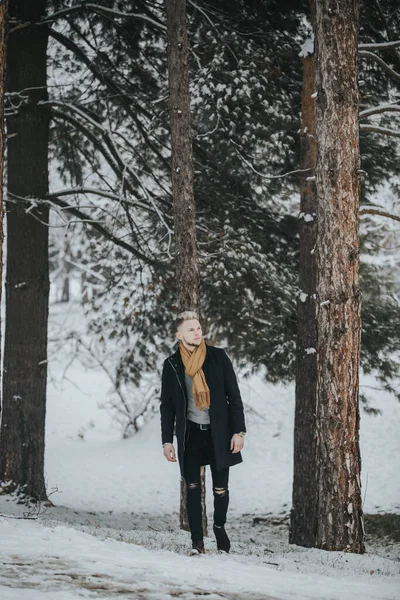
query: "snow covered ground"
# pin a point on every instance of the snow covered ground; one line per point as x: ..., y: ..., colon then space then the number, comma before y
x: 60, y: 562
x: 113, y: 531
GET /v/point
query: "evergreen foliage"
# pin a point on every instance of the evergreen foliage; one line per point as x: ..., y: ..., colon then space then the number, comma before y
x: 111, y: 132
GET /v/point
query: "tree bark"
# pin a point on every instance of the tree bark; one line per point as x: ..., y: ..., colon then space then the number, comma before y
x: 27, y: 281
x: 303, y: 513
x: 338, y: 299
x: 184, y: 209
x: 3, y: 53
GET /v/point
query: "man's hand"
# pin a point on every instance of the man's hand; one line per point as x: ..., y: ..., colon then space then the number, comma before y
x: 169, y: 452
x: 237, y: 443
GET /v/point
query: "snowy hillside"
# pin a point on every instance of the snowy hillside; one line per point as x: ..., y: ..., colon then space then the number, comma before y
x: 92, y: 468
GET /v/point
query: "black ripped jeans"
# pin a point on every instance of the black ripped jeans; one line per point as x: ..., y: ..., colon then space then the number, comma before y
x: 199, y: 451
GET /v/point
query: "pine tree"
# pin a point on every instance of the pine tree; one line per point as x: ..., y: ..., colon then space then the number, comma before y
x: 331, y: 487
x: 184, y: 207
x: 303, y: 513
x: 3, y: 53
x: 27, y: 278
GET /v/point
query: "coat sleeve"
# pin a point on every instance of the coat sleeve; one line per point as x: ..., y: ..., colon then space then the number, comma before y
x: 233, y: 394
x: 167, y: 409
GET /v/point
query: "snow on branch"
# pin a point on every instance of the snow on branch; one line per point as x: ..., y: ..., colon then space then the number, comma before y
x: 381, y: 62
x: 377, y: 129
x: 74, y: 108
x: 375, y: 110
x: 379, y: 46
x: 296, y: 172
x: 57, y: 203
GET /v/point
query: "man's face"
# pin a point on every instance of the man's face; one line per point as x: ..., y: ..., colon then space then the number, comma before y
x: 189, y: 332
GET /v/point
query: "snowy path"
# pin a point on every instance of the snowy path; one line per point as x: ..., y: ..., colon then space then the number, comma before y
x: 42, y: 560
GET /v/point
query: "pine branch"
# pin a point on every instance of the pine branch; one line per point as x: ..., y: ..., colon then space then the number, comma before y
x: 379, y: 46
x: 112, y: 86
x: 105, y: 145
x: 377, y: 129
x: 117, y: 167
x: 389, y: 32
x: 381, y: 62
x: 119, y: 95
x: 133, y: 149
x: 376, y: 110
x: 112, y: 148
x: 86, y: 131
x: 102, y: 10
x: 381, y: 213
x: 105, y: 233
x: 96, y: 192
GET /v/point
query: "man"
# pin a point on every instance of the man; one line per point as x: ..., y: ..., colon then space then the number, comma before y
x: 200, y: 395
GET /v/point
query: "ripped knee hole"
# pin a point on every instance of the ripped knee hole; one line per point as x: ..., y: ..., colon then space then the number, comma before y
x: 193, y: 485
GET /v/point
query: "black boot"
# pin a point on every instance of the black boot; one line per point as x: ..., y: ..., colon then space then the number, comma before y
x: 223, y: 542
x: 197, y: 548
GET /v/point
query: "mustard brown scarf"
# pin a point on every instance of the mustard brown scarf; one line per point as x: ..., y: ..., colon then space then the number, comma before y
x: 193, y: 363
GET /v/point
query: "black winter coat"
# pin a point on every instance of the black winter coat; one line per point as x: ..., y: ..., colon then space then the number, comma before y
x: 226, y: 407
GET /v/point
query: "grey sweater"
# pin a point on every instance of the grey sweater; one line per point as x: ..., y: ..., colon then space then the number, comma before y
x: 195, y: 414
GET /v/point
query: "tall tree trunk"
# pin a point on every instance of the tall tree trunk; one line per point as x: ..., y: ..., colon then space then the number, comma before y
x: 27, y: 281
x: 338, y: 300
x: 3, y: 48
x: 303, y: 513
x: 186, y: 259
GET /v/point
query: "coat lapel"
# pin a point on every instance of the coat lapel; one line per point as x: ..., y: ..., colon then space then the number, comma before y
x: 177, y: 362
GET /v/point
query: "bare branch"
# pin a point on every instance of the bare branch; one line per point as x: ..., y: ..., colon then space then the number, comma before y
x: 296, y: 172
x: 381, y: 213
x: 106, y: 370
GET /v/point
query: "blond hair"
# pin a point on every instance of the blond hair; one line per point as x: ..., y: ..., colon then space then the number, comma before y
x: 186, y: 315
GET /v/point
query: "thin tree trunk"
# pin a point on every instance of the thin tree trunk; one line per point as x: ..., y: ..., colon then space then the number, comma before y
x: 27, y: 283
x: 303, y: 513
x: 65, y: 294
x: 338, y: 301
x: 186, y: 259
